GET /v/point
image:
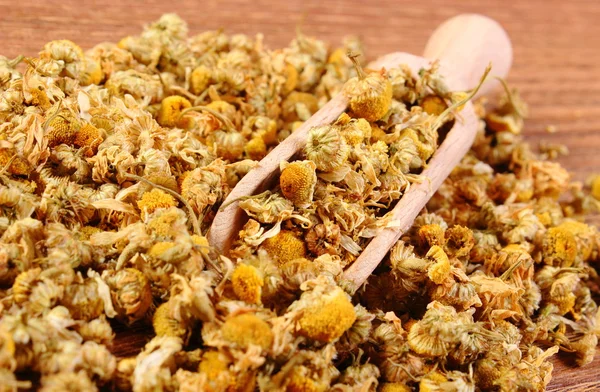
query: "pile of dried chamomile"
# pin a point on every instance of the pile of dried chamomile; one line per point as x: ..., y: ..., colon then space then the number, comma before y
x: 114, y: 162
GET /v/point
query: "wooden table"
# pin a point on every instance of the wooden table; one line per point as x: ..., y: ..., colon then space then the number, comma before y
x: 556, y: 57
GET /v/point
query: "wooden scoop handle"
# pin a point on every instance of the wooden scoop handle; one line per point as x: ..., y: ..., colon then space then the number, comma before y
x: 465, y: 45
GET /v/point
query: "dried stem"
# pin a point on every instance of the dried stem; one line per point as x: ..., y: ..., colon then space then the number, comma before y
x: 13, y: 63
x: 226, y: 122
x: 359, y: 70
x: 7, y: 166
x: 509, y: 94
x: 52, y: 116
x: 442, y: 117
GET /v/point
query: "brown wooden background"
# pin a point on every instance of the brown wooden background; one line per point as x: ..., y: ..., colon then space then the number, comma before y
x: 556, y: 56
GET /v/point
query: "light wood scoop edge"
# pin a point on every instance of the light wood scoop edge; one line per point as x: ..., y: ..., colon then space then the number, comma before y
x: 465, y: 45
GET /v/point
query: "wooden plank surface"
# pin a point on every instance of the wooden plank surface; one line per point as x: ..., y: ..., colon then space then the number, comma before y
x: 556, y: 59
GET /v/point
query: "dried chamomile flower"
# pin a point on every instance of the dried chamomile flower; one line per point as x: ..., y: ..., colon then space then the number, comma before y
x: 204, y: 187
x: 285, y: 246
x: 440, y: 330
x: 297, y: 181
x: 165, y: 325
x: 153, y: 365
x: 298, y: 271
x: 267, y: 207
x: 326, y: 147
x: 439, y: 271
x: 433, y: 104
x: 432, y: 234
x: 594, y: 183
x: 585, y: 348
x: 299, y: 106
x: 256, y: 148
x: 83, y: 300
x: 139, y: 84
x: 62, y: 128
x: 356, y: 131
x: 511, y: 113
x: 229, y: 145
x: 358, y: 376
x: 370, y: 93
x: 8, y: 71
x: 459, y: 241
x: 247, y: 282
x: 559, y: 247
x: 324, y: 238
x: 326, y: 312
x: 67, y: 381
x: 359, y: 332
x: 131, y: 293
x: 584, y: 236
x: 215, y: 366
x: 247, y: 329
x: 393, y: 387
x: 302, y: 379
x: 92, y: 73
x: 97, y: 330
x: 18, y: 165
x: 88, y: 138
x: 200, y: 79
x: 170, y: 110
x: 155, y: 199
x: 67, y: 55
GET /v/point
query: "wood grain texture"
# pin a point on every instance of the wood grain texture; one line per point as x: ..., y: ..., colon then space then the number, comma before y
x: 556, y: 61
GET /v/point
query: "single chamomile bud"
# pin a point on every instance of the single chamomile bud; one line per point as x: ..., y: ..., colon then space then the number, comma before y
x: 284, y: 247
x: 595, y: 187
x: 357, y: 131
x: 394, y: 387
x: 299, y: 106
x: 165, y: 325
x: 302, y: 379
x: 247, y: 329
x: 228, y: 145
x: 247, y: 282
x: 68, y: 54
x: 131, y: 293
x: 326, y: 147
x: 83, y: 300
x: 297, y: 181
x: 439, y: 271
x: 88, y: 138
x: 326, y: 314
x: 199, y: 79
x: 19, y: 165
x: 434, y: 105
x: 291, y: 79
x: 256, y: 148
x: 155, y: 199
x: 215, y: 365
x: 559, y: 247
x: 370, y: 93
x: 585, y: 236
x: 170, y: 110
x: 459, y: 241
x: 61, y: 128
x: 92, y: 73
x: 432, y: 234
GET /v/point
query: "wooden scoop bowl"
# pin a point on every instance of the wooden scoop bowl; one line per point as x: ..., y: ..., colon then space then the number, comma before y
x: 465, y: 46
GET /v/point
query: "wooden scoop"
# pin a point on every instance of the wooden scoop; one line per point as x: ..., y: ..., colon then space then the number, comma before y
x: 465, y: 46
